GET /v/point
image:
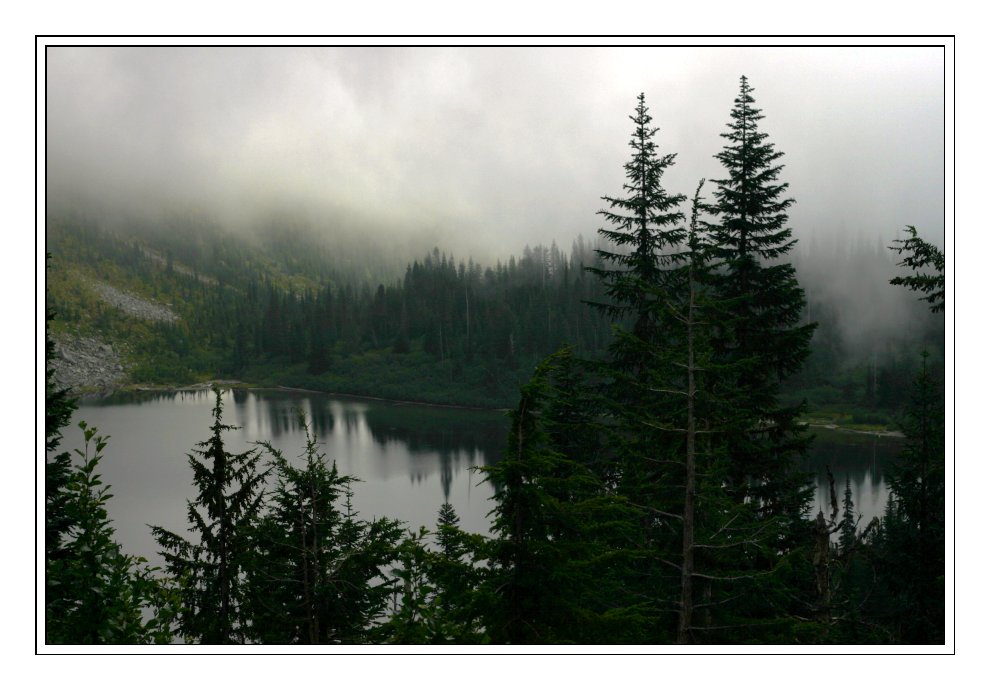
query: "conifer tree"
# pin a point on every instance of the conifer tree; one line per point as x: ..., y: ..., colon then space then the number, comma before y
x: 415, y: 618
x: 719, y: 537
x: 447, y: 529
x: 658, y: 410
x: 59, y: 407
x: 848, y: 534
x: 457, y: 574
x: 525, y: 556
x: 95, y: 593
x: 439, y: 595
x: 685, y: 366
x: 750, y: 236
x: 914, y: 529
x: 918, y: 255
x: 643, y: 227
x: 561, y: 540
x: 641, y: 224
x: 212, y: 570
x: 914, y: 542
x: 317, y: 573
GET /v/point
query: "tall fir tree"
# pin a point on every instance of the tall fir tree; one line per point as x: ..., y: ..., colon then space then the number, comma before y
x: 212, y: 570
x: 641, y: 224
x: 703, y: 542
x: 710, y: 522
x: 641, y: 403
x: 642, y: 227
x: 750, y: 236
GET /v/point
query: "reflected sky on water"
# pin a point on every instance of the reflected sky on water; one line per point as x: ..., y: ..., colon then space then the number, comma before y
x: 861, y: 460
x: 410, y: 458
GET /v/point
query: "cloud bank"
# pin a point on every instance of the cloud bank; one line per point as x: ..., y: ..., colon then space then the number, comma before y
x: 484, y: 150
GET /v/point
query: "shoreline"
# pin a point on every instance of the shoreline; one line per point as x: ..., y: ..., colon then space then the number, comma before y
x: 891, y: 434
x: 405, y: 402
x: 240, y: 384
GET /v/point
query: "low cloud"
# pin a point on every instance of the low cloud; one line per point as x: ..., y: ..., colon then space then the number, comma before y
x: 483, y: 149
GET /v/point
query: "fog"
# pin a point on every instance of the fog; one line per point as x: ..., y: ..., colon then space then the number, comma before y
x: 483, y: 148
x: 481, y: 151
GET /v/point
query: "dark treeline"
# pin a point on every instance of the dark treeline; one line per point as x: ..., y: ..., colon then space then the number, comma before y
x: 649, y: 492
x: 479, y: 329
x: 524, y: 307
x: 442, y: 331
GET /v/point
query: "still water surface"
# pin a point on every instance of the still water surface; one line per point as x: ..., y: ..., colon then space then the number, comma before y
x: 409, y: 458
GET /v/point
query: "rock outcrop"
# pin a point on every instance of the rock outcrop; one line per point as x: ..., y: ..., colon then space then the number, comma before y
x: 87, y: 365
x: 133, y: 305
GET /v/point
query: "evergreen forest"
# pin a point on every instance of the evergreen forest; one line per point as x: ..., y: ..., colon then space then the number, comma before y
x: 659, y: 380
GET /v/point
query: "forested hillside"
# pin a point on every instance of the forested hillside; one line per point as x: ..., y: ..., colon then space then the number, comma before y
x: 441, y: 331
x: 286, y: 312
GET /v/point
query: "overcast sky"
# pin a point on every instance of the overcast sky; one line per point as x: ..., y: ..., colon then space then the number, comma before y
x: 487, y: 149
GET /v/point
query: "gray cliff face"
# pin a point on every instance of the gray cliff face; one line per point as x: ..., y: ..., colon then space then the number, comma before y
x: 87, y: 365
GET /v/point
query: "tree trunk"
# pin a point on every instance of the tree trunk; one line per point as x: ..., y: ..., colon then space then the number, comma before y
x: 687, y: 561
x: 821, y: 565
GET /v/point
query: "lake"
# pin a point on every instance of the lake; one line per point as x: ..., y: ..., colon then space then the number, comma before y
x: 410, y: 458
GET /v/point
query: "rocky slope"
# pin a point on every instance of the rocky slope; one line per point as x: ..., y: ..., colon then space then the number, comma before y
x: 87, y: 365
x: 133, y: 305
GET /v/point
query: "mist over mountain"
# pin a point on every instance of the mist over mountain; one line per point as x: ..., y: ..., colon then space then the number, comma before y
x: 481, y: 150
x: 374, y: 157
